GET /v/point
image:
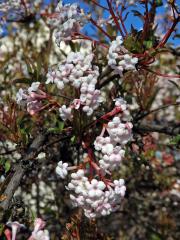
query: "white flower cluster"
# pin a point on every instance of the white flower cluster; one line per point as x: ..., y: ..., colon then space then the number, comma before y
x: 95, y: 197
x: 101, y: 197
x: 112, y: 155
x: 79, y: 72
x: 62, y: 169
x: 65, y: 113
x: 37, y: 234
x: 118, y: 57
x: 130, y: 2
x: 119, y: 132
x: 41, y: 235
x: 68, y: 19
x: 111, y: 147
x: 22, y: 95
x: 9, y: 5
x: 31, y: 98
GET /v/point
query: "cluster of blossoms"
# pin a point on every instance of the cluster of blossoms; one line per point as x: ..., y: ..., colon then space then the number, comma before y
x: 78, y: 72
x: 38, y: 233
x: 111, y: 146
x: 97, y: 194
x: 95, y: 197
x: 8, y: 5
x: 31, y: 98
x: 118, y: 57
x: 101, y: 197
x: 68, y: 19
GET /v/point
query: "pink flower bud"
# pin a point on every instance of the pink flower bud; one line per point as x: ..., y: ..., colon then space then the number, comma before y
x: 38, y: 224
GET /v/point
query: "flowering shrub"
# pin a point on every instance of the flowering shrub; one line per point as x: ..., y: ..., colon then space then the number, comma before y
x: 89, y: 120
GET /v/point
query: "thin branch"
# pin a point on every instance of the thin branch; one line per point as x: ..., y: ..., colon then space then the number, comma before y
x: 115, y: 18
x: 168, y: 34
x: 19, y: 172
x: 154, y: 110
x: 99, y: 5
x: 159, y: 73
x: 171, y: 130
x: 101, y: 29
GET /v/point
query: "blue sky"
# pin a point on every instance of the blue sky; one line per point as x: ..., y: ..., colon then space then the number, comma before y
x: 135, y: 21
x: 131, y: 19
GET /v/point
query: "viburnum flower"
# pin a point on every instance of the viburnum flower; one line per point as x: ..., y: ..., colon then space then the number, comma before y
x: 20, y: 96
x: 41, y: 235
x: 39, y: 224
x: 68, y: 19
x: 34, y: 87
x: 38, y: 233
x: 119, y: 187
x: 65, y: 113
x: 31, y: 97
x: 119, y: 58
x: 15, y: 226
x: 78, y: 71
x: 95, y: 197
x: 62, y: 169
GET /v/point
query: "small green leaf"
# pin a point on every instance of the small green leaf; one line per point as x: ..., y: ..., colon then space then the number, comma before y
x: 60, y: 125
x: 29, y: 67
x: 175, y: 140
x: 155, y: 237
x: 57, y: 129
x: 33, y: 215
x: 148, y: 44
x: 7, y: 166
x: 1, y: 228
x: 73, y: 139
x: 159, y: 3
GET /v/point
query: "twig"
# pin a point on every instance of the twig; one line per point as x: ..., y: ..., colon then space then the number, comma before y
x: 154, y: 110
x: 172, y: 130
x: 19, y: 171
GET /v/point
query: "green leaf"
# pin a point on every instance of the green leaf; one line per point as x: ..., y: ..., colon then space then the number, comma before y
x: 175, y: 140
x: 132, y: 43
x: 29, y: 67
x: 60, y: 125
x: 58, y: 129
x: 25, y: 134
x: 73, y: 139
x: 1, y: 229
x: 148, y: 44
x: 7, y: 166
x: 33, y: 215
x: 155, y: 237
x: 159, y: 3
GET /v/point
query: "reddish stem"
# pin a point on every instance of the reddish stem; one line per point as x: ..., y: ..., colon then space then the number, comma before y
x: 99, y: 5
x: 161, y: 74
x: 101, y: 29
x: 122, y: 22
x: 25, y: 7
x: 168, y: 34
x: 146, y: 23
x: 115, y: 18
x: 90, y: 39
x: 115, y: 111
x: 149, y: 61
